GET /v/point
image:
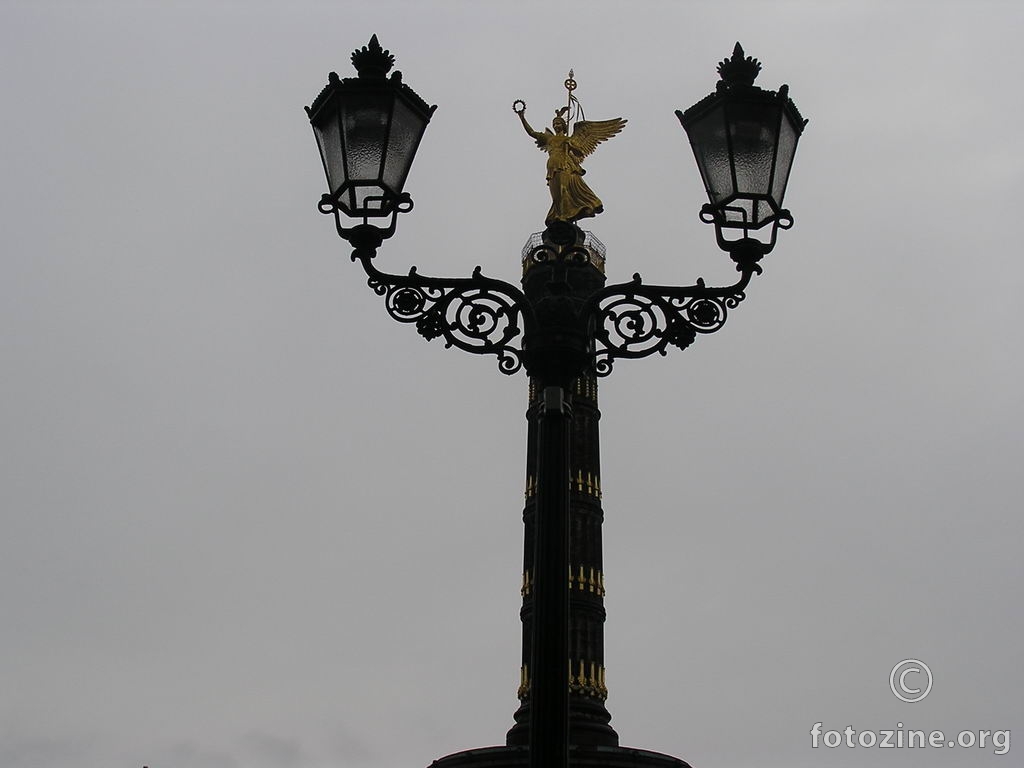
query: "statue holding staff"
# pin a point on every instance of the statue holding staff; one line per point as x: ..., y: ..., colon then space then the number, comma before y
x: 571, y: 197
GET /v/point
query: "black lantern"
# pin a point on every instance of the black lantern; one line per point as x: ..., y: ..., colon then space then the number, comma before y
x: 368, y: 128
x: 744, y: 139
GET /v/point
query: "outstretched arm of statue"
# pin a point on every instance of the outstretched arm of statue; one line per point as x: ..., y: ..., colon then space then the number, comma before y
x: 520, y: 109
x: 529, y: 128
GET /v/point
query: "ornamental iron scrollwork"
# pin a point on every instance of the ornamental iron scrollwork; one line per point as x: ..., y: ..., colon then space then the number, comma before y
x: 485, y: 316
x: 539, y: 251
x: 366, y: 235
x: 745, y: 251
x: 544, y: 254
x: 634, y: 320
x: 476, y: 314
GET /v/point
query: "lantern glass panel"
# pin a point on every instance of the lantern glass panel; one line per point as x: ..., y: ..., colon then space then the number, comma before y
x: 787, y: 148
x: 753, y: 127
x: 406, y: 130
x: 711, y: 150
x: 328, y: 137
x: 741, y: 212
x: 365, y: 198
x: 365, y: 126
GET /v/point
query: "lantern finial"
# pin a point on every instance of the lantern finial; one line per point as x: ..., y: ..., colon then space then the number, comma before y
x: 738, y: 70
x: 372, y: 61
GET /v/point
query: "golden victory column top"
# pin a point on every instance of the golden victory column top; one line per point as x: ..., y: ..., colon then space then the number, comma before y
x: 571, y: 197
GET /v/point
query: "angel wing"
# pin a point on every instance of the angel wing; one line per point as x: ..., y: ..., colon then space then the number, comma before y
x: 587, y: 134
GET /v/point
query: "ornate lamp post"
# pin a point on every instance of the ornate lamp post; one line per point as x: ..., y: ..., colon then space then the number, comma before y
x: 566, y: 328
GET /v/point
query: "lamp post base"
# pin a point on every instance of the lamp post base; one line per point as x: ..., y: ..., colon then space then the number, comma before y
x: 579, y: 757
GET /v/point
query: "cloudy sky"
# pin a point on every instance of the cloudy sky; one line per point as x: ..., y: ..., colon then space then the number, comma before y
x: 246, y: 520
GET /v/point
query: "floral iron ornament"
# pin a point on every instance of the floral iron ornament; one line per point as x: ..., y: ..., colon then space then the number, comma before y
x: 571, y: 197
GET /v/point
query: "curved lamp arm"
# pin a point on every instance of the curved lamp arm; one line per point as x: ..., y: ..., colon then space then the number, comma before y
x: 476, y: 314
x: 636, y: 320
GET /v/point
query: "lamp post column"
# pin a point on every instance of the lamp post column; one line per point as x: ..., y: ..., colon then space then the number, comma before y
x: 589, y: 720
x: 549, y: 712
x: 562, y: 269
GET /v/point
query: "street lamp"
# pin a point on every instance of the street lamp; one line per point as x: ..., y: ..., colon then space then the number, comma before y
x: 368, y: 128
x: 566, y: 328
x: 744, y: 139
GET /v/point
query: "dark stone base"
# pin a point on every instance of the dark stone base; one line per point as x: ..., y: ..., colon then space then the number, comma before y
x: 579, y: 757
x: 589, y: 724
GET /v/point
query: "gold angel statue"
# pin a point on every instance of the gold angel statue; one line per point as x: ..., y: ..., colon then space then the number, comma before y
x: 571, y: 197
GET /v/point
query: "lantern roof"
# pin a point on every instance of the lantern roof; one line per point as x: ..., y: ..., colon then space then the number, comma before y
x: 737, y: 75
x: 372, y: 64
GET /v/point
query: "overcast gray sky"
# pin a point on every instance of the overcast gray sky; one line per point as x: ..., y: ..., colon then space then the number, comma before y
x: 249, y: 521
